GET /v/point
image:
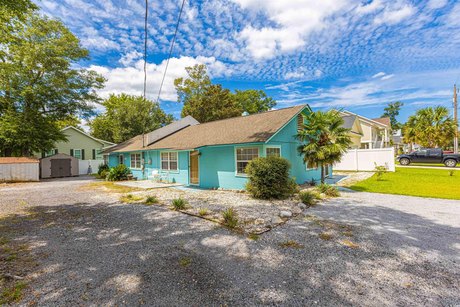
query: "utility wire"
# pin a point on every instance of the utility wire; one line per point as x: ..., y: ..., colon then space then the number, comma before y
x: 171, y: 50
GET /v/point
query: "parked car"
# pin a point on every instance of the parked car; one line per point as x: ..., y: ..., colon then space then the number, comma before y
x: 429, y: 155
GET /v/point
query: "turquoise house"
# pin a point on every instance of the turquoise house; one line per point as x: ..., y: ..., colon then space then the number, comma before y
x: 215, y: 154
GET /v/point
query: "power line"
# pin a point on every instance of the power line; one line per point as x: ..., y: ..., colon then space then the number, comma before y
x: 171, y: 50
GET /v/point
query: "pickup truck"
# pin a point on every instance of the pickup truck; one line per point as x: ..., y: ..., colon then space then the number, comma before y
x: 429, y: 155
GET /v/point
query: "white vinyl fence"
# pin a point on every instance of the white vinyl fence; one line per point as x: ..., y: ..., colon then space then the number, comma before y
x: 84, y: 165
x: 366, y: 159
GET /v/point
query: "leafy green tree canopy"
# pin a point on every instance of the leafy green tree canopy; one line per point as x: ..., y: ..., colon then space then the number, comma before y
x: 254, y: 101
x: 324, y: 140
x: 392, y: 111
x: 206, y: 101
x: 430, y: 127
x: 126, y: 116
x: 41, y: 84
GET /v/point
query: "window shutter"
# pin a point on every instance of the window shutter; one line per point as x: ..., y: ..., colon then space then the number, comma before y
x: 94, y: 154
x: 71, y: 152
x: 56, y: 151
x: 43, y: 154
x: 83, y: 154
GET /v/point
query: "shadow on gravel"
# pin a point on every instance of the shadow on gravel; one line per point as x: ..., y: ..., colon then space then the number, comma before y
x: 107, y: 254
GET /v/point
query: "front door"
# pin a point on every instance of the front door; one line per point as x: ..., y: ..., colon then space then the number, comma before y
x: 194, y: 167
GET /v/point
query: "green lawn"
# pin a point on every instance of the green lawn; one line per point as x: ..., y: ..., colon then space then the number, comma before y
x: 415, y: 182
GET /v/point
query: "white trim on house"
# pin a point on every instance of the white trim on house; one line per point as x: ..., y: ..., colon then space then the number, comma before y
x: 272, y: 147
x: 287, y: 123
x: 135, y: 160
x: 236, y: 158
x: 169, y: 162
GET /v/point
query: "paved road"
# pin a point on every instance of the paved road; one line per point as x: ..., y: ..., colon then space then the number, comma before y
x: 362, y: 249
x: 429, y: 167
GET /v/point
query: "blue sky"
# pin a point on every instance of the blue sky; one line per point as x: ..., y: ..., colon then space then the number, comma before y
x: 357, y: 55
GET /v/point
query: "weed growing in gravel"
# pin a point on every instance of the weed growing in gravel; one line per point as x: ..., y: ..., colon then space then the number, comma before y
x: 309, y: 198
x: 230, y: 218
x: 325, y: 236
x: 130, y: 198
x: 203, y: 212
x: 290, y: 244
x: 349, y: 244
x: 179, y: 203
x: 451, y: 172
x: 151, y: 200
x: 328, y: 189
x: 185, y: 261
x: 347, y: 233
x: 253, y: 236
x: 12, y: 294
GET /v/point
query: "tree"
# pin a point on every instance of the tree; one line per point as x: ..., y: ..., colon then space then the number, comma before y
x: 213, y: 104
x: 254, y: 101
x: 41, y: 85
x: 430, y: 127
x: 324, y: 140
x: 126, y: 116
x: 72, y: 120
x: 202, y: 99
x: 392, y: 111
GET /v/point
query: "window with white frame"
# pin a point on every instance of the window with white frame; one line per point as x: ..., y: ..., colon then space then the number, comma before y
x: 169, y: 161
x: 121, y: 159
x: 136, y: 160
x: 273, y: 152
x: 77, y: 153
x: 243, y: 157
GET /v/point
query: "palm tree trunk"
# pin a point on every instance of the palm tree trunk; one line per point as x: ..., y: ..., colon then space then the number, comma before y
x: 322, y: 173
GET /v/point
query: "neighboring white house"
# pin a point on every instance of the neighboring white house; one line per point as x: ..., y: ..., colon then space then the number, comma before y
x: 376, y: 133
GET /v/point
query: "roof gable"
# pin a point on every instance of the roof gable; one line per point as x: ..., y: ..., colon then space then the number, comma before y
x: 87, y: 135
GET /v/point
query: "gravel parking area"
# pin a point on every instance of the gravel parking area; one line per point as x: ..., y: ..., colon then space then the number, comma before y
x: 360, y: 249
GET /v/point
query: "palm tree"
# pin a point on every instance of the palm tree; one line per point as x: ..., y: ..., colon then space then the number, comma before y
x: 430, y: 127
x: 324, y: 140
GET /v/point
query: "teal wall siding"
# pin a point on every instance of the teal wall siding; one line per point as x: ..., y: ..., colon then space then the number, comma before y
x: 286, y: 139
x: 218, y: 167
x: 152, y: 161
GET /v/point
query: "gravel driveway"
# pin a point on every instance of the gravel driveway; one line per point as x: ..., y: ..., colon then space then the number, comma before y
x: 361, y: 249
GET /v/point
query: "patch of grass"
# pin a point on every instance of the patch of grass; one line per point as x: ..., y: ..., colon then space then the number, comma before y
x: 130, y: 198
x: 109, y: 186
x: 325, y: 236
x: 350, y: 244
x: 253, y: 236
x: 230, y: 218
x: 151, y: 200
x: 179, y: 203
x: 309, y: 198
x: 328, y: 189
x: 185, y: 262
x: 203, y: 212
x: 414, y: 182
x: 13, y: 293
x: 290, y: 244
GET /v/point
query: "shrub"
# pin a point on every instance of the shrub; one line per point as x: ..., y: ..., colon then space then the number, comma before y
x: 309, y: 198
x: 118, y: 173
x: 202, y: 212
x: 230, y: 218
x: 379, y: 171
x: 179, y: 203
x: 150, y: 200
x: 102, y: 168
x: 269, y: 178
x: 328, y: 190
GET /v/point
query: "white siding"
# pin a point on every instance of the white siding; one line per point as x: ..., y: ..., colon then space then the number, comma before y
x: 365, y: 159
x: 19, y: 172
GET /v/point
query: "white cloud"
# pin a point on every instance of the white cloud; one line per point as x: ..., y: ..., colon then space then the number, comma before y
x: 130, y: 79
x: 386, y: 77
x: 436, y: 4
x: 395, y: 14
x: 130, y: 57
x: 378, y: 75
x: 453, y: 19
x: 294, y: 20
